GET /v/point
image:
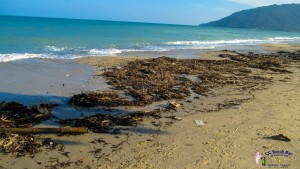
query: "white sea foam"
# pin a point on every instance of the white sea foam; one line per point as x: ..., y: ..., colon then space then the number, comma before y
x: 218, y: 42
x: 54, y: 48
x: 18, y: 56
x: 157, y: 48
x: 111, y: 51
x: 105, y: 52
x: 284, y: 38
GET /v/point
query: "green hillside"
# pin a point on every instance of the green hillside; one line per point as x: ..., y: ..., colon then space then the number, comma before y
x: 275, y: 17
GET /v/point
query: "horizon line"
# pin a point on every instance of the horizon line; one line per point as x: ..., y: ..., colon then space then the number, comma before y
x: 87, y: 19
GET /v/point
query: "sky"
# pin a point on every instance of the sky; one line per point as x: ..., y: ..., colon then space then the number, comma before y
x: 186, y: 12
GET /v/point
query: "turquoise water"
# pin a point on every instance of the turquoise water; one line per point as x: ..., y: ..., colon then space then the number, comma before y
x: 28, y: 37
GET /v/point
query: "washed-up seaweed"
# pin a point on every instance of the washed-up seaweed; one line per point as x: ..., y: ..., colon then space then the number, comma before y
x: 15, y: 115
x: 293, y: 55
x: 52, y: 145
x: 265, y: 62
x: 157, y: 79
x: 99, y: 98
x: 19, y: 145
x: 25, y: 144
x: 103, y: 123
x: 73, y: 164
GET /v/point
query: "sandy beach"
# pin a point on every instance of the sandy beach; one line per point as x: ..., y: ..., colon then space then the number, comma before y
x: 238, y: 120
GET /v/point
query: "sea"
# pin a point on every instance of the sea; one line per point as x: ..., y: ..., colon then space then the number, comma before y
x: 33, y: 37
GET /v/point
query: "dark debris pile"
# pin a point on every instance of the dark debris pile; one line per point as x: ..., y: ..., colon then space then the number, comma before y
x: 25, y: 144
x: 265, y: 62
x: 15, y: 115
x: 103, y: 123
x: 52, y: 145
x: 164, y: 78
x: 19, y: 145
x: 294, y: 55
x: 99, y: 98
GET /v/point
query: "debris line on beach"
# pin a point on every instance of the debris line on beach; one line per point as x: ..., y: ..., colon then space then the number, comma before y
x: 157, y: 79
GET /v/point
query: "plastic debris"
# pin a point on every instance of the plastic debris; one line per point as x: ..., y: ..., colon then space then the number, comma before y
x: 174, y: 118
x: 174, y: 105
x: 199, y: 122
x: 238, y: 107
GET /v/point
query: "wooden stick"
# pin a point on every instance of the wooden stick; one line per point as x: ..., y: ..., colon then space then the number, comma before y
x: 45, y: 130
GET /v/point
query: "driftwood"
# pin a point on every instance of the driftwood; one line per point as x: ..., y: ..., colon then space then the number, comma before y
x: 45, y: 130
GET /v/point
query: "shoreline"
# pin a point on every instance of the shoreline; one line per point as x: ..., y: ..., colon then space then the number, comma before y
x: 125, y: 57
x: 228, y: 139
x: 174, y: 53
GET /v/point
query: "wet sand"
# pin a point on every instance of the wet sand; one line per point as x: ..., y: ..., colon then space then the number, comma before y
x: 280, y: 47
x: 230, y: 137
x: 104, y: 61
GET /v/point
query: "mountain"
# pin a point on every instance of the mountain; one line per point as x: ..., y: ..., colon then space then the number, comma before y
x: 275, y: 17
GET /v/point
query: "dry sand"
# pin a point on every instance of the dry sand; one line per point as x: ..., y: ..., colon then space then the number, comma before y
x: 230, y: 138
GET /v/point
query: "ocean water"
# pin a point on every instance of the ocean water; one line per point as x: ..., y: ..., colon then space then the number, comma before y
x: 30, y: 37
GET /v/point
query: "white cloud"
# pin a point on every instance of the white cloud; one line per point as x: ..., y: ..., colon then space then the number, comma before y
x: 257, y: 3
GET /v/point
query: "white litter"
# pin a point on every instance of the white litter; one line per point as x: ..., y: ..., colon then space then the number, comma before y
x: 199, y: 122
x: 236, y: 107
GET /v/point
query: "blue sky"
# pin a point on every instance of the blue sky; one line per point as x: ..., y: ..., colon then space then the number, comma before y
x: 190, y: 12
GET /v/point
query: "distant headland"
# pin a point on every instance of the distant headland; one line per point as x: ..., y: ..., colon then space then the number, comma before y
x: 275, y: 17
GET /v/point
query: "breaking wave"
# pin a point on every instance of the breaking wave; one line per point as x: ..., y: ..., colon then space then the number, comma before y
x: 18, y: 56
x: 54, y: 52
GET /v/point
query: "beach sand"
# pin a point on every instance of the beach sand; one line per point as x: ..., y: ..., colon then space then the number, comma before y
x: 107, y: 60
x: 280, y: 47
x: 230, y: 137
